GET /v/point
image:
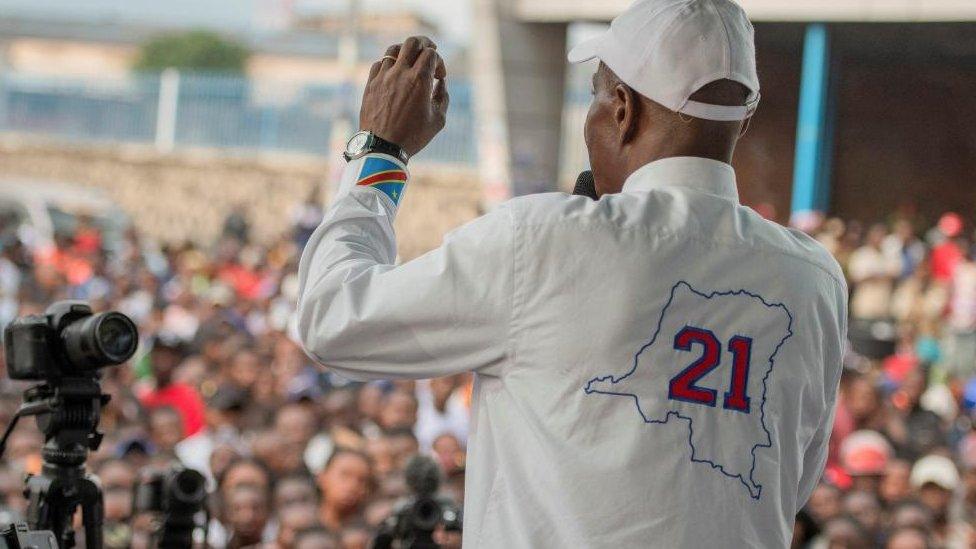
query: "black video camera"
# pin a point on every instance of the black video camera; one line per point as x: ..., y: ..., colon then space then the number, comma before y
x: 414, y: 520
x: 175, y: 495
x: 63, y: 349
x: 67, y: 341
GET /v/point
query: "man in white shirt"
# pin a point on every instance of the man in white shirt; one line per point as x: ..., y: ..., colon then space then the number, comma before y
x: 440, y: 410
x: 657, y: 368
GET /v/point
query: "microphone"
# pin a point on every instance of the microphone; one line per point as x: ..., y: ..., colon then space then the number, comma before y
x: 423, y: 475
x: 585, y: 186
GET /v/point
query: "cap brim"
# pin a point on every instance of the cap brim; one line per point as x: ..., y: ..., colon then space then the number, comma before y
x: 586, y: 50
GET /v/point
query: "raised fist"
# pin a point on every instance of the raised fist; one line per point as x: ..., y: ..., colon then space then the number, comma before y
x: 406, y: 98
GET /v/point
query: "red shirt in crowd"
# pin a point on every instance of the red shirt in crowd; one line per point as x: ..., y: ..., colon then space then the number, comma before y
x: 944, y: 259
x: 184, y: 399
x: 245, y: 282
x: 88, y: 240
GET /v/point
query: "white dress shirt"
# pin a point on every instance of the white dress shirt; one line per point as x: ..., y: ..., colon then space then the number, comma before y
x: 654, y: 369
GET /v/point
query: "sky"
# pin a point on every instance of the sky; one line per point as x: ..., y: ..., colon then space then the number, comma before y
x: 454, y: 16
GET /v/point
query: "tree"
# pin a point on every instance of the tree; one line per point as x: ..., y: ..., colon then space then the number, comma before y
x: 199, y: 50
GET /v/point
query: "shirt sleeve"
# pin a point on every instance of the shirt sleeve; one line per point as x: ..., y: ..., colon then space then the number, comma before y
x: 815, y: 458
x: 816, y: 453
x: 445, y: 312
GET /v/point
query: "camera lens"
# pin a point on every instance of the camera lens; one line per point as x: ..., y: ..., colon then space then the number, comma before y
x: 426, y: 514
x: 100, y: 340
x: 116, y: 336
x: 189, y: 487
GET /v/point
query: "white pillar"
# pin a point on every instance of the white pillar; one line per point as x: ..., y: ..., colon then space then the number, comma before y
x: 166, y: 111
x: 519, y: 71
x: 489, y: 104
x: 4, y: 79
x: 345, y: 122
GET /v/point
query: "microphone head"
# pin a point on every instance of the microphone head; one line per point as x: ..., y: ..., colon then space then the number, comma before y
x: 423, y: 475
x: 585, y: 186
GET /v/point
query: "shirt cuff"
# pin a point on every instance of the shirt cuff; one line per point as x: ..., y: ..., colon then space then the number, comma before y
x: 380, y: 172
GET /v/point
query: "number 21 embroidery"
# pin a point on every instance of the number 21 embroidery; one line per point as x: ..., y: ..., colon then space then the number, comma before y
x: 682, y: 386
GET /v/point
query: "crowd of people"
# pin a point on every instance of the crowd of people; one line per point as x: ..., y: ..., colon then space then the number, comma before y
x: 296, y: 457
x: 901, y: 472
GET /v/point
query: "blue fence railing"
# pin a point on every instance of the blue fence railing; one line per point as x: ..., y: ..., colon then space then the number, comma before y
x: 210, y: 111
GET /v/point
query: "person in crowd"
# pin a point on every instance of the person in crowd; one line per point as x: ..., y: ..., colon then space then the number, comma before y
x: 316, y: 537
x: 935, y: 479
x: 864, y: 455
x: 165, y: 430
x: 245, y: 514
x: 960, y: 325
x: 306, y: 217
x: 242, y: 501
x: 223, y: 425
x: 440, y: 410
x: 896, y: 485
x: 166, y: 353
x: 873, y: 273
x: 293, y: 519
x: 118, y: 479
x: 845, y: 532
x: 398, y: 410
x: 237, y: 226
x: 296, y: 489
x: 912, y: 427
x: 903, y: 247
x: 864, y: 506
x: 949, y: 249
x: 909, y: 538
x: 345, y: 483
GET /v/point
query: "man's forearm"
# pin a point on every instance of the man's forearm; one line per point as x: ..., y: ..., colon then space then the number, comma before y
x: 358, y: 312
x: 355, y: 235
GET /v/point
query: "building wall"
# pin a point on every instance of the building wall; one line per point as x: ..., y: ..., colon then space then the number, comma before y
x: 187, y: 196
x: 65, y: 58
x: 267, y: 66
x: 906, y: 121
x: 905, y: 118
x: 69, y: 58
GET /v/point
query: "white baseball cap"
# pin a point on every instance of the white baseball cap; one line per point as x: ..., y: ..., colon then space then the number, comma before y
x: 667, y: 50
x: 935, y: 469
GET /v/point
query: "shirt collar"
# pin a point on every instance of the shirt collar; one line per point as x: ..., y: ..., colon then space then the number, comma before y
x: 700, y: 174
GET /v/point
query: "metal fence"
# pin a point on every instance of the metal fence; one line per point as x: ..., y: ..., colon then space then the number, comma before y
x: 173, y: 110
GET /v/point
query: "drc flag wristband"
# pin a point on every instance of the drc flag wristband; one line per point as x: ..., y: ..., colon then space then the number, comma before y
x: 384, y: 175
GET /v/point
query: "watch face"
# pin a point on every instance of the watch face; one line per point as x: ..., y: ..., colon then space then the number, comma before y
x: 357, y: 143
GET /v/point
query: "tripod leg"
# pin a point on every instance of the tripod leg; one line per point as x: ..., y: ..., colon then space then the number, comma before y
x: 49, y: 509
x: 92, y: 512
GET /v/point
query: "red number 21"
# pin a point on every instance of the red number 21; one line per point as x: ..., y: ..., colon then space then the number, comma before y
x: 682, y: 386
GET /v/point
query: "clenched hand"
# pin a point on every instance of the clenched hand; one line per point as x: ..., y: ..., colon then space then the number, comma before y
x: 406, y: 100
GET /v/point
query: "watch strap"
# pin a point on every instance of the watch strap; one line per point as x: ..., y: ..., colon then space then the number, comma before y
x: 376, y: 144
x: 379, y: 145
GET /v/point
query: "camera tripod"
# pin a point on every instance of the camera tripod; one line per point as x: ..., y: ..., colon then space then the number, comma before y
x: 67, y: 412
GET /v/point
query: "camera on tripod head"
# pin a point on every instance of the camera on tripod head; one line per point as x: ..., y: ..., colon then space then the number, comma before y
x: 63, y: 350
x: 67, y: 341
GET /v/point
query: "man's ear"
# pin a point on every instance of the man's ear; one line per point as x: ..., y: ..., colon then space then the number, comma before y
x: 626, y: 112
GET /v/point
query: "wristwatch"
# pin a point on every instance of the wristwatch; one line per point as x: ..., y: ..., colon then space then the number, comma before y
x: 365, y: 142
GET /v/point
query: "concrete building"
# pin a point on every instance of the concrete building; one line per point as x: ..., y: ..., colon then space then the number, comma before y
x: 868, y: 105
x: 308, y: 50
